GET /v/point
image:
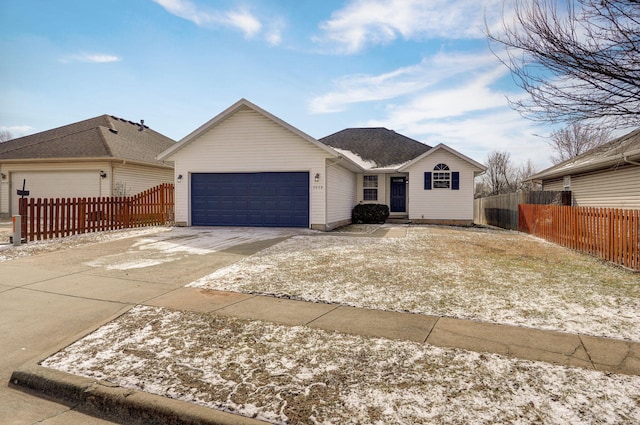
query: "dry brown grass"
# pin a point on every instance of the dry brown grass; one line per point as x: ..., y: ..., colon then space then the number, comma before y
x: 497, y: 276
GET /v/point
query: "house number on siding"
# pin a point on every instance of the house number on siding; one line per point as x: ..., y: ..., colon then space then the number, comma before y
x: 317, y: 187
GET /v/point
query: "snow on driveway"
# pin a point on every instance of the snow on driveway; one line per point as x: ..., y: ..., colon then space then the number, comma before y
x: 179, y: 242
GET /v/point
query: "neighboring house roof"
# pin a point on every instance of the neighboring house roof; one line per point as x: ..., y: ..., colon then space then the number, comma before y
x: 104, y: 136
x: 617, y: 152
x: 376, y: 147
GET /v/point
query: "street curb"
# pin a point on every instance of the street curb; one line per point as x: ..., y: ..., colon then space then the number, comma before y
x: 111, y: 402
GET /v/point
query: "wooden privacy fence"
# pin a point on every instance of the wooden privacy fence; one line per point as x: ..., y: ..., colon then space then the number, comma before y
x: 53, y: 218
x: 609, y: 233
x: 502, y: 210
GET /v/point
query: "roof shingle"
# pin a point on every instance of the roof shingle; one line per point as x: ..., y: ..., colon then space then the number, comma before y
x: 104, y: 136
x: 377, y: 145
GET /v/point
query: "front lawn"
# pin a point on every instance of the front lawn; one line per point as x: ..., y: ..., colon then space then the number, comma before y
x: 487, y: 275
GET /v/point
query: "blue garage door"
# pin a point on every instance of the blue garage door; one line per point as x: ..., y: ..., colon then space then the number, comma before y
x: 250, y: 199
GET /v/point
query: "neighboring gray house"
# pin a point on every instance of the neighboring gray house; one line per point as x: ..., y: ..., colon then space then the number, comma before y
x: 101, y: 156
x: 247, y: 167
x: 606, y: 176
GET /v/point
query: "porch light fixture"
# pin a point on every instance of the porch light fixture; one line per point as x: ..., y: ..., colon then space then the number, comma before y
x: 3, y: 176
x: 179, y: 178
x: 317, y: 177
x: 103, y: 174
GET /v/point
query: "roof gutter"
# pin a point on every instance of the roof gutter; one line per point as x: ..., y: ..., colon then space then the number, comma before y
x: 628, y: 161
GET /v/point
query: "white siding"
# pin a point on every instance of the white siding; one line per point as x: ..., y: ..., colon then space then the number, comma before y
x: 341, y: 193
x: 132, y: 179
x: 249, y: 142
x: 618, y: 188
x: 75, y: 179
x: 553, y: 185
x: 441, y: 204
x: 55, y: 184
x: 55, y: 179
x: 4, y: 191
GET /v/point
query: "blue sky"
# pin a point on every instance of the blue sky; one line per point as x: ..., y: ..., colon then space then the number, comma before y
x: 420, y: 67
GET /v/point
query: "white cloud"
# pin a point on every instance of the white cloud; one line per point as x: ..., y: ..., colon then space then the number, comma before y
x: 274, y: 31
x: 239, y: 19
x: 430, y: 71
x: 92, y: 58
x: 476, y: 135
x: 371, y: 22
x: 244, y: 21
x: 454, y: 98
x: 17, y: 130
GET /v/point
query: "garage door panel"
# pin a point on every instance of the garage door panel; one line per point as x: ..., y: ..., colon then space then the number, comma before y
x: 250, y: 199
x: 55, y: 184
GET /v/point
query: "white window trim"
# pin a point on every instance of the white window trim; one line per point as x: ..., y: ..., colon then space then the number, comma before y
x: 370, y: 183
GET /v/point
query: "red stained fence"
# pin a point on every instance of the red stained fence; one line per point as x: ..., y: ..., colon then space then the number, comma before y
x: 60, y: 217
x: 609, y: 233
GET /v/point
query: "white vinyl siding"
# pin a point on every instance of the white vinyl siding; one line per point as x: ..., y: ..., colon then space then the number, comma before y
x: 618, y: 188
x: 247, y: 141
x: 341, y: 193
x: 55, y: 184
x: 74, y: 180
x: 132, y: 179
x: 553, y: 185
x: 441, y: 204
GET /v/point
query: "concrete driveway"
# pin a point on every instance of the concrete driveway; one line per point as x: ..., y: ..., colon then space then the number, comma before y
x: 49, y: 300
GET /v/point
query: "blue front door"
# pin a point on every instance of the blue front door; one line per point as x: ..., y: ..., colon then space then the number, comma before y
x: 398, y: 194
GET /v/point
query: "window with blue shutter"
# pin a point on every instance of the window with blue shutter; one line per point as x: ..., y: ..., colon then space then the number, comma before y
x: 455, y: 180
x: 427, y: 180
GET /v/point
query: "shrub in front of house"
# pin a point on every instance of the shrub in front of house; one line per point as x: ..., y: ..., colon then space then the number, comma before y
x: 370, y: 213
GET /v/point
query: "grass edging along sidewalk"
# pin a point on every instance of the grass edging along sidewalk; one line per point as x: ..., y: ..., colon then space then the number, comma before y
x: 108, y: 401
x: 291, y: 374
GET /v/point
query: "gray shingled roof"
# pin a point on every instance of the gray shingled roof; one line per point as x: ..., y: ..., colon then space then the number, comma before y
x: 382, y: 146
x: 604, y: 156
x: 104, y: 136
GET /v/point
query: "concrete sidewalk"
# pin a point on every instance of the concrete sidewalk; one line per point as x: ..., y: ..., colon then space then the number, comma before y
x: 604, y: 354
x: 49, y: 300
x: 137, y: 407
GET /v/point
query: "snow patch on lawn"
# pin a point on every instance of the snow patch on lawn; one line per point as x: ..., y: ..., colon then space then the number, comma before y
x: 300, y: 375
x: 499, y: 277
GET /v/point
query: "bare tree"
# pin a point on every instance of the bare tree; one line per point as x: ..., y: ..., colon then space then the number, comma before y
x: 5, y: 135
x: 574, y: 140
x: 502, y: 176
x: 578, y: 60
x: 522, y: 174
x: 499, y: 176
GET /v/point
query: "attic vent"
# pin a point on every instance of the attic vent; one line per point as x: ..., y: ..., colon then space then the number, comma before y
x: 113, y: 130
x: 141, y: 125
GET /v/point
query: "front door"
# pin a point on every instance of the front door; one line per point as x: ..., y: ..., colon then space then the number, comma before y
x: 398, y: 194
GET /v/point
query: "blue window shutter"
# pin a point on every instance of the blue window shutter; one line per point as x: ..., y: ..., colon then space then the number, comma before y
x: 455, y: 180
x: 427, y: 180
